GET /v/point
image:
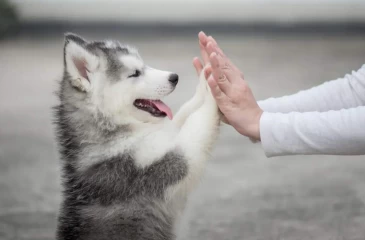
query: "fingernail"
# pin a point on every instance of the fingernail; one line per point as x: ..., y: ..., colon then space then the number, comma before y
x: 202, y: 35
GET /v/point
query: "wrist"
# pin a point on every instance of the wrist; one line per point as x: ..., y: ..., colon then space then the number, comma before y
x: 255, y: 136
x: 253, y: 131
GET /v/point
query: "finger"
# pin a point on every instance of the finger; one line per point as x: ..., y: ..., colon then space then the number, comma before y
x: 215, y: 45
x: 219, y: 75
x: 202, y: 44
x: 198, y: 65
x: 203, y: 39
x: 212, y: 46
x: 232, y: 73
x: 230, y: 70
x: 203, y: 53
x: 217, y: 93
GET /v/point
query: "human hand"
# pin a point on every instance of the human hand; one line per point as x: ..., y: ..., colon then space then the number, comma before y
x: 231, y: 92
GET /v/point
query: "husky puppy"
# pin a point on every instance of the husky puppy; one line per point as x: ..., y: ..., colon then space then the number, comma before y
x: 128, y: 165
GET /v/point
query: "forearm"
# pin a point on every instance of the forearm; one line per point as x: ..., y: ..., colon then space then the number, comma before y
x: 347, y: 92
x: 339, y: 132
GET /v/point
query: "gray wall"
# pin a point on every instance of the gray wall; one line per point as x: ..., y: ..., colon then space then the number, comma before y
x: 193, y: 11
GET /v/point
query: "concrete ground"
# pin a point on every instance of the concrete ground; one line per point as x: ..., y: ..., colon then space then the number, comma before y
x: 243, y: 195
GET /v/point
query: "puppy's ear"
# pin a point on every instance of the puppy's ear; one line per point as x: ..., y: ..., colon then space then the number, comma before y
x: 79, y: 61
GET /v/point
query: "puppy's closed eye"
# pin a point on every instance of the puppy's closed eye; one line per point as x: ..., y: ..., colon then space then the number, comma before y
x: 136, y: 73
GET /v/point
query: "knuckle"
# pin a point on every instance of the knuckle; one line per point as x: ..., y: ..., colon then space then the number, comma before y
x: 235, y: 100
x: 222, y: 78
x: 221, y: 81
x: 236, y: 97
x: 226, y: 67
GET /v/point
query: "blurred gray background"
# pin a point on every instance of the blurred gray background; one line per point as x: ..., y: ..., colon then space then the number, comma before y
x: 281, y: 46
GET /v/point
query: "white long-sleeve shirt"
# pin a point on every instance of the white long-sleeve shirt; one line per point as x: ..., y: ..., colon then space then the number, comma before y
x: 327, y: 119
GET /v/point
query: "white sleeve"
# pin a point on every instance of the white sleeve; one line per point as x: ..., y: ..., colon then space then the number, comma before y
x: 347, y: 92
x: 340, y: 132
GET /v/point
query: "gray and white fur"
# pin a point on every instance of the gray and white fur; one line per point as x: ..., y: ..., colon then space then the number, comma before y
x: 126, y: 171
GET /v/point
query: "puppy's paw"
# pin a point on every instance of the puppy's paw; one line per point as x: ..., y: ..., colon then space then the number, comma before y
x: 202, y: 87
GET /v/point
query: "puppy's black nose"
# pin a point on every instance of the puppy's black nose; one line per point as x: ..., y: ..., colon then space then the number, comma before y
x: 174, y: 78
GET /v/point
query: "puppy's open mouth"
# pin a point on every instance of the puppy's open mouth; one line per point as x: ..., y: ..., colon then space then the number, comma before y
x: 155, y: 107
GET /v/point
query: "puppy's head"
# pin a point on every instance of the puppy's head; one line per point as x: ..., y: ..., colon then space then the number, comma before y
x: 111, y: 79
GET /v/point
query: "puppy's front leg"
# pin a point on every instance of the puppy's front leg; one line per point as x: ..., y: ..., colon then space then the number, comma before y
x: 198, y: 134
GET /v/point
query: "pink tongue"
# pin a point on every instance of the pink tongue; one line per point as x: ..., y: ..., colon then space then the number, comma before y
x: 163, y: 108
